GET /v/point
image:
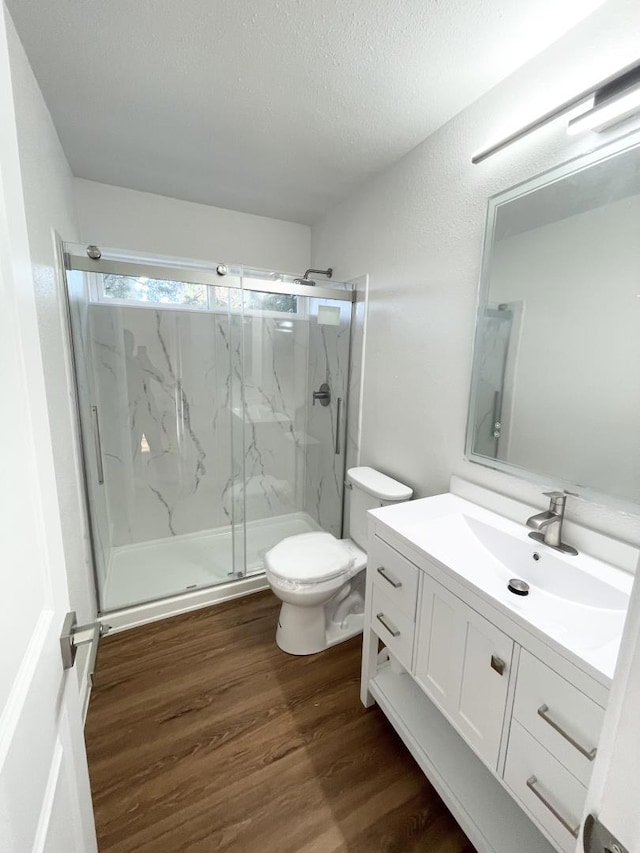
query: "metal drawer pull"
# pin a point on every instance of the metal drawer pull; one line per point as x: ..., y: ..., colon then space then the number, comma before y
x: 543, y: 711
x: 394, y: 583
x: 498, y: 664
x: 388, y: 625
x: 574, y: 830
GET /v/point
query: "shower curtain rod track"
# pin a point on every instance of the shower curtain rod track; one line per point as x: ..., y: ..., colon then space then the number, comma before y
x: 198, y: 275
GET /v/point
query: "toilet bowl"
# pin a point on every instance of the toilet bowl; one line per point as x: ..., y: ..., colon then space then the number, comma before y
x: 320, y: 579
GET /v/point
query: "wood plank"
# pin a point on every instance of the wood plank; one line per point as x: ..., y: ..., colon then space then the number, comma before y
x: 203, y: 736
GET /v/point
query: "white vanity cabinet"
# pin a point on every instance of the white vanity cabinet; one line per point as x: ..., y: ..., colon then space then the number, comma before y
x: 503, y: 727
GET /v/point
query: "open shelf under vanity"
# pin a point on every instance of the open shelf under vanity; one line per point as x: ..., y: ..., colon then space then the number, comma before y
x: 489, y: 816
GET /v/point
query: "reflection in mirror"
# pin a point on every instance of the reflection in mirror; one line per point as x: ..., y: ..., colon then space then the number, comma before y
x: 556, y: 375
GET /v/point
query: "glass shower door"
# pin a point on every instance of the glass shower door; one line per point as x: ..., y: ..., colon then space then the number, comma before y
x: 155, y: 402
x: 328, y: 359
x: 495, y: 329
x: 292, y: 443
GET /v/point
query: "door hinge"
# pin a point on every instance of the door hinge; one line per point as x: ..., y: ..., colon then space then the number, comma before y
x: 598, y: 839
x: 74, y: 635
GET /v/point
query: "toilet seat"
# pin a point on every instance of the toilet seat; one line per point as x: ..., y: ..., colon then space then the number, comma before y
x: 309, y: 558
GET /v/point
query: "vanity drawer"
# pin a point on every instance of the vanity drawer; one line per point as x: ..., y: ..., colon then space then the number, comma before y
x: 551, y: 794
x: 561, y: 717
x: 395, y: 575
x: 393, y: 626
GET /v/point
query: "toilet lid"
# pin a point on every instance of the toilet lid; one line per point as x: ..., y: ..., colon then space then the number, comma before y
x: 308, y: 557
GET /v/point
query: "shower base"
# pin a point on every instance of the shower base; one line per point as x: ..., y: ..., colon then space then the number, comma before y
x: 161, y: 568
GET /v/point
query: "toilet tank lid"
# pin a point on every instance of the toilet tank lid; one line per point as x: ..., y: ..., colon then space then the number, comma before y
x: 378, y: 485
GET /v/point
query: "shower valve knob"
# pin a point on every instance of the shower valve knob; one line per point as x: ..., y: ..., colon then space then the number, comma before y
x: 323, y: 394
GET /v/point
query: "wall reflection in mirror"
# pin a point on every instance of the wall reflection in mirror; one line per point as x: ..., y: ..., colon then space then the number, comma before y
x: 556, y: 376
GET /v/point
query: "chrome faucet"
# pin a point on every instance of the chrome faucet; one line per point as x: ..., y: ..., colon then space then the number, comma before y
x: 550, y: 523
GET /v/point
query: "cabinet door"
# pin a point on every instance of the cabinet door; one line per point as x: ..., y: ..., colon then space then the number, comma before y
x: 486, y: 666
x: 463, y: 663
x: 438, y: 661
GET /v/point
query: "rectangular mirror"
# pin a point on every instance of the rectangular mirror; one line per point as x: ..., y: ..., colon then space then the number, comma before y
x: 555, y: 392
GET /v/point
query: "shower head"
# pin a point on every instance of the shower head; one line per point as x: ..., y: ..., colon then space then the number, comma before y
x: 306, y: 280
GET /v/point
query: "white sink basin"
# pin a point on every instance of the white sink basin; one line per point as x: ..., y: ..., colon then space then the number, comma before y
x: 578, y: 602
x: 541, y: 568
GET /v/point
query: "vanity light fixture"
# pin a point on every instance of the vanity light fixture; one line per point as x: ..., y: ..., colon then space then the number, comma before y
x: 611, y: 104
x: 610, y: 101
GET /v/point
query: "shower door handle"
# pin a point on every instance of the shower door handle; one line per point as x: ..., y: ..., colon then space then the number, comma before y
x: 96, y: 436
x: 339, y: 409
x: 496, y: 423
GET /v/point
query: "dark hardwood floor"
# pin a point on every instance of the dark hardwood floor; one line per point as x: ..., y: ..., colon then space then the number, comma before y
x: 203, y: 736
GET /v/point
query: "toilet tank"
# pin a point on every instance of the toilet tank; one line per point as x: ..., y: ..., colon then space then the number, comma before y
x: 369, y: 489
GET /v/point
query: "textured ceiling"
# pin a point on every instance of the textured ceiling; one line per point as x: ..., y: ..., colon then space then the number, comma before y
x: 275, y: 108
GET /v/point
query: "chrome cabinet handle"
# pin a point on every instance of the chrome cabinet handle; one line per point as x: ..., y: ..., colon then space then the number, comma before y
x: 498, y: 664
x: 383, y: 574
x: 531, y: 784
x: 388, y: 625
x: 96, y: 435
x: 543, y: 711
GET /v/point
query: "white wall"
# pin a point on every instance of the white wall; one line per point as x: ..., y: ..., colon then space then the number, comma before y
x: 50, y: 207
x: 417, y: 230
x: 127, y: 219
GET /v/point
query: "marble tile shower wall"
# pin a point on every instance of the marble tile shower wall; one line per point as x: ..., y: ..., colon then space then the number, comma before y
x: 203, y: 418
x: 328, y: 362
x: 163, y: 380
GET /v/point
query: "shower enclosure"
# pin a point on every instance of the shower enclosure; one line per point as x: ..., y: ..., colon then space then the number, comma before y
x: 203, y: 441
x: 493, y: 391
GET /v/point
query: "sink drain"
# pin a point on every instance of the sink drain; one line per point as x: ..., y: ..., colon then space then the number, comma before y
x: 518, y: 587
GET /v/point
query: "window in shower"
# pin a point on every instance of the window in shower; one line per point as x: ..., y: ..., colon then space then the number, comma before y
x: 144, y: 290
x: 244, y: 301
x: 202, y: 446
x: 126, y: 288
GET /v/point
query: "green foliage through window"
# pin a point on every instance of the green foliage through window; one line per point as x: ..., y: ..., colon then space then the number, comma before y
x: 142, y: 289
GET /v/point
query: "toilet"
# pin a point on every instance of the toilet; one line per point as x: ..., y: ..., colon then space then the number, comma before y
x: 320, y: 579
